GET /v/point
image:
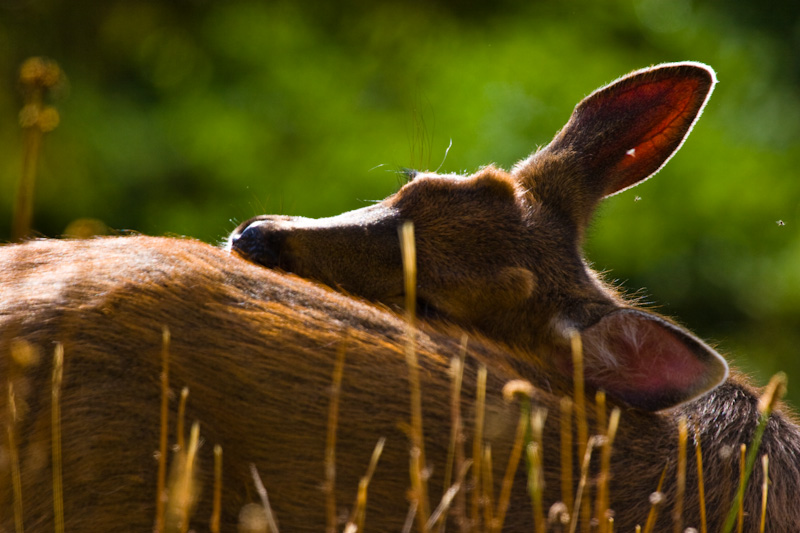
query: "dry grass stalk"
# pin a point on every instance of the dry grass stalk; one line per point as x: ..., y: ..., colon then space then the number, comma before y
x: 602, y: 430
x: 262, y: 494
x: 602, y: 482
x: 524, y: 391
x: 775, y: 390
x: 420, y: 486
x: 216, y: 509
x: 37, y: 76
x: 330, y: 443
x: 356, y: 522
x: 181, y: 417
x: 764, y: 492
x: 533, y: 454
x: 487, y: 480
x: 603, y: 497
x: 677, y: 513
x: 58, y: 489
x: 656, y: 499
x: 16, y: 479
x: 579, y: 399
x: 566, y: 453
x: 701, y: 489
x: 439, y: 514
x: 579, y: 495
x: 417, y: 476
x: 455, y: 449
x: 536, y: 478
x: 412, y: 513
x: 457, y: 376
x: 600, y: 410
x: 477, y: 440
x: 161, y: 493
x: 183, y: 491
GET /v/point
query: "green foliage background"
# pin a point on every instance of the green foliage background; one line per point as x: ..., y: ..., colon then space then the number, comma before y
x: 186, y: 117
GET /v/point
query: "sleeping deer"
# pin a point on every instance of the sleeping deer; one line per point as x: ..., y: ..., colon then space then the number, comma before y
x: 498, y: 259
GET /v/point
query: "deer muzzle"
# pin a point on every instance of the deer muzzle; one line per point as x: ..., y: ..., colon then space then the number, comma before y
x: 358, y: 251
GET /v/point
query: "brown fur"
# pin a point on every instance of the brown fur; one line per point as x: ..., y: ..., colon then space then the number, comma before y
x: 256, y: 350
x: 498, y: 255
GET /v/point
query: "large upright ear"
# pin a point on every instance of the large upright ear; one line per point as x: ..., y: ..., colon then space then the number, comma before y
x: 648, y: 361
x: 632, y: 127
x: 618, y: 136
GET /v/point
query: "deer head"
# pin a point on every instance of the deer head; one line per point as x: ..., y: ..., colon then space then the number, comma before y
x: 500, y: 252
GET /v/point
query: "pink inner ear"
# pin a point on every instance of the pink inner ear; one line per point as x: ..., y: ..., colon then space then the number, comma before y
x: 657, y: 140
x: 652, y: 359
x: 647, y: 361
x: 639, y: 122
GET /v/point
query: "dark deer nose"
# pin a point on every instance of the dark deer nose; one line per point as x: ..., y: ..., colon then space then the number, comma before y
x: 258, y: 241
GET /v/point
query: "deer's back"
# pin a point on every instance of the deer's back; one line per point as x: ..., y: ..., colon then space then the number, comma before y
x: 257, y: 350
